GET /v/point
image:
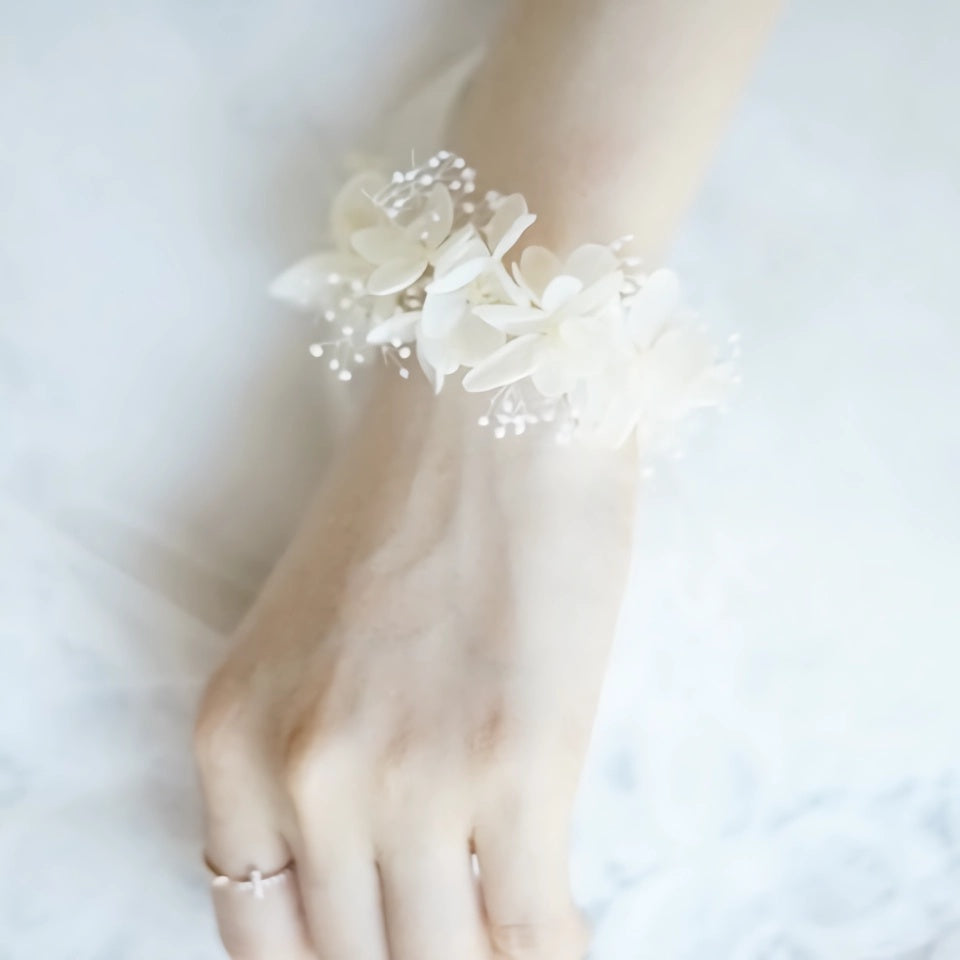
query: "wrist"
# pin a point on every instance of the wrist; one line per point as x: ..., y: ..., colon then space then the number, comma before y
x: 438, y: 434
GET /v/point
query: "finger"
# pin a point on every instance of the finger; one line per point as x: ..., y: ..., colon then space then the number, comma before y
x: 242, y: 836
x: 524, y: 877
x: 257, y: 921
x: 432, y: 904
x: 340, y: 893
x: 261, y: 920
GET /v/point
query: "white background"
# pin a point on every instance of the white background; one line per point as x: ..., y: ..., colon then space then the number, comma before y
x: 775, y: 772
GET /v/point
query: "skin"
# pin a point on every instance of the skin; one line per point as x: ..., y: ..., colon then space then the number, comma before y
x: 418, y: 679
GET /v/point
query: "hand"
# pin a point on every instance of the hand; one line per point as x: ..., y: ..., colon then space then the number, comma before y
x: 417, y: 683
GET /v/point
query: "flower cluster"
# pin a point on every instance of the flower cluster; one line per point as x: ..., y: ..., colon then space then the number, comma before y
x: 420, y: 266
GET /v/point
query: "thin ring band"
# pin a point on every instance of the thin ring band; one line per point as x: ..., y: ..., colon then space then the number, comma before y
x: 256, y: 883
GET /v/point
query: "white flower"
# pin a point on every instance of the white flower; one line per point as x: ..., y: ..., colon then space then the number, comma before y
x: 565, y: 318
x: 585, y: 343
x: 463, y: 262
x: 670, y: 371
x: 306, y: 284
x: 652, y: 307
x: 447, y: 333
x: 401, y: 254
x: 468, y: 272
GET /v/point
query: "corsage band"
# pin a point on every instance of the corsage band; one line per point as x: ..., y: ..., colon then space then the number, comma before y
x: 424, y: 272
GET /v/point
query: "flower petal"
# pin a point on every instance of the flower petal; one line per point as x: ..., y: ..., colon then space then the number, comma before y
x: 441, y: 314
x: 653, y: 305
x: 619, y: 419
x: 434, y: 378
x: 558, y: 291
x: 395, y: 275
x: 514, y: 319
x: 441, y: 355
x: 586, y: 344
x: 382, y: 244
x: 513, y: 361
x: 433, y: 224
x: 554, y: 375
x: 506, y: 225
x: 307, y: 283
x: 679, y: 356
x: 463, y: 244
x: 512, y: 234
x: 599, y: 295
x: 538, y: 266
x: 459, y: 276
x: 476, y: 340
x: 441, y: 215
x: 509, y: 290
x: 402, y: 326
x: 353, y: 208
x: 590, y: 262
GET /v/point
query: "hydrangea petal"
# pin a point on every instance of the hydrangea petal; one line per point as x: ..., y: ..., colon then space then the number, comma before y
x: 434, y: 378
x: 514, y: 319
x: 440, y: 354
x: 537, y: 267
x: 476, y: 340
x: 307, y: 283
x: 554, y: 375
x: 653, y: 305
x: 508, y: 222
x: 379, y: 245
x: 436, y: 219
x: 459, y: 276
x: 586, y: 345
x: 597, y: 296
x: 681, y: 354
x: 464, y: 244
x: 558, y: 291
x: 402, y: 326
x: 512, y: 234
x: 395, y: 275
x: 353, y: 208
x: 590, y: 262
x: 513, y: 361
x: 441, y: 313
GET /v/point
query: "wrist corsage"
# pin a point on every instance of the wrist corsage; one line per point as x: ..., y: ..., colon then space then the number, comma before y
x: 424, y: 273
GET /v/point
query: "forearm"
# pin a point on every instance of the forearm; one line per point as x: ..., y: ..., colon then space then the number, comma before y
x: 604, y: 113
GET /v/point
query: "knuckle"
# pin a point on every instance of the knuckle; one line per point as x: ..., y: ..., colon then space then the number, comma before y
x: 221, y: 731
x: 303, y: 759
x: 489, y: 739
